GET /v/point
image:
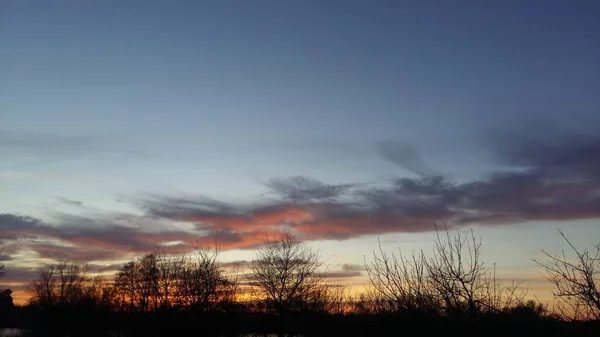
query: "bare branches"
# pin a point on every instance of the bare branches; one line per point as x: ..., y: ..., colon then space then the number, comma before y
x: 453, y: 281
x: 286, y: 274
x: 158, y: 281
x: 2, y: 271
x: 400, y: 283
x: 203, y: 284
x: 576, y: 280
x: 64, y: 283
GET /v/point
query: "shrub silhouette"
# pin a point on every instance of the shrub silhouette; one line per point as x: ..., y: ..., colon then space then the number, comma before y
x: 6, y: 300
x: 446, y: 292
x: 160, y: 282
x: 576, y: 280
x: 452, y: 282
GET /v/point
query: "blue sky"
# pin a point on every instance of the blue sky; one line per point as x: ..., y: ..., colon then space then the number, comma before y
x: 106, y: 105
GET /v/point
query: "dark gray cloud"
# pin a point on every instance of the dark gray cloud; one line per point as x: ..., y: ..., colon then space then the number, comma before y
x: 303, y: 188
x: 183, y: 208
x: 343, y: 274
x: 5, y: 257
x: 70, y: 202
x: 353, y: 267
x: 241, y: 264
x: 80, y: 253
x: 19, y: 274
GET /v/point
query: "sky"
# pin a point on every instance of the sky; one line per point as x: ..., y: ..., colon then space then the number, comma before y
x: 131, y: 125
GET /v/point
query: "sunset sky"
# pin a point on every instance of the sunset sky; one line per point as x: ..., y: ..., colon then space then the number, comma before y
x: 127, y: 125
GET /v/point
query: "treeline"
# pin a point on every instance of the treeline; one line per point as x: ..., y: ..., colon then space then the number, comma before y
x: 285, y: 290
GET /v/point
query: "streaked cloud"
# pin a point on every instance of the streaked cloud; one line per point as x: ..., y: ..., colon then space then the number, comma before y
x: 70, y: 202
x: 406, y: 156
x: 538, y: 180
x: 302, y: 189
x: 350, y: 267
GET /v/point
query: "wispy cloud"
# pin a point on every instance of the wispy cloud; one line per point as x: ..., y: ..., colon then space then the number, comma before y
x: 27, y: 149
x: 406, y: 156
x: 70, y: 202
x: 88, y: 239
x: 353, y: 267
x: 539, y: 180
x: 302, y: 189
x: 5, y: 257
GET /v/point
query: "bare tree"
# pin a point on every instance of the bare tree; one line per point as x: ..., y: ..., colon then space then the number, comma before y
x: 159, y: 281
x: 463, y: 285
x: 2, y: 271
x: 147, y: 282
x: 169, y: 273
x: 577, y: 280
x: 125, y: 284
x: 399, y: 283
x: 64, y: 283
x: 285, y: 274
x: 334, y: 298
x: 203, y: 285
x: 453, y: 281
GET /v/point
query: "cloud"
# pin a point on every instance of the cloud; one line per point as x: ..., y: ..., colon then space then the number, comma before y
x: 239, y: 264
x: 537, y: 180
x: 343, y: 274
x: 302, y: 189
x: 27, y: 149
x: 104, y: 268
x: 70, y: 202
x: 541, y: 179
x: 182, y: 207
x: 88, y: 239
x: 353, y: 267
x: 73, y: 253
x: 406, y: 156
x: 17, y: 275
x: 5, y: 257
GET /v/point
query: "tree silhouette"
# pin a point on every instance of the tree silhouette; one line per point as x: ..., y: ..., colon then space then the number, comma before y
x: 463, y: 284
x: 157, y: 294
x: 452, y: 282
x: 63, y: 284
x: 286, y: 274
x: 203, y: 284
x: 398, y: 284
x: 125, y: 284
x: 6, y: 301
x: 158, y: 281
x: 576, y: 279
